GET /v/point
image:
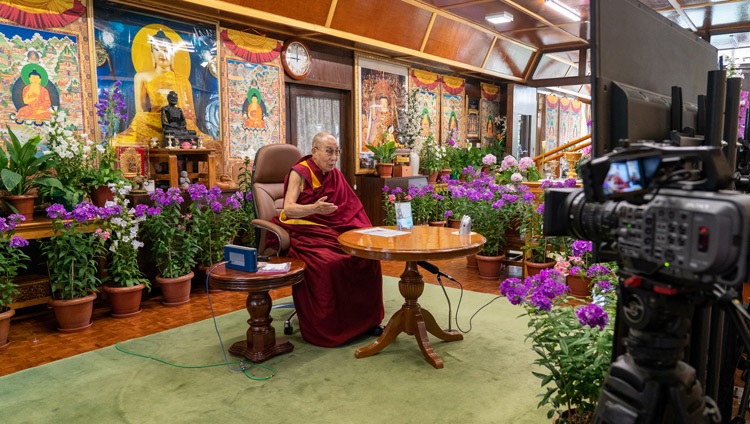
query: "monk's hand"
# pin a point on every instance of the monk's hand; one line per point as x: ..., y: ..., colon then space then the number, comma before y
x: 323, y: 207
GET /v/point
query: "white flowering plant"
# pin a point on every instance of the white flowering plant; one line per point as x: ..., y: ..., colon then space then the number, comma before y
x: 123, y: 224
x: 74, y: 155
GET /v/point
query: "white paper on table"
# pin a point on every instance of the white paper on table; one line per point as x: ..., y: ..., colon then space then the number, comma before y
x: 381, y: 232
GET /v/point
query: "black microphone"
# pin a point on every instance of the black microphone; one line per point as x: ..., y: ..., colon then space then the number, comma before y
x: 432, y: 269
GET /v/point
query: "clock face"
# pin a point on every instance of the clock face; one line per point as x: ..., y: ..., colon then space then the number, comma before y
x: 297, y: 59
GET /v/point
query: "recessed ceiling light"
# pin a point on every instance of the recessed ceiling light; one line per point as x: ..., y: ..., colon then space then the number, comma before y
x: 563, y: 9
x: 499, y: 18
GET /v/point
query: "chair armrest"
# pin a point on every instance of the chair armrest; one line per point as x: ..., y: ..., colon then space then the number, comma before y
x: 280, y: 233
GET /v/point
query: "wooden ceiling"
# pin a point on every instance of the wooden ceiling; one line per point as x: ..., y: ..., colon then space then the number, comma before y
x: 540, y: 47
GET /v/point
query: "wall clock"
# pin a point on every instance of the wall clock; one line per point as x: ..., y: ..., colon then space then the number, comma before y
x: 296, y: 59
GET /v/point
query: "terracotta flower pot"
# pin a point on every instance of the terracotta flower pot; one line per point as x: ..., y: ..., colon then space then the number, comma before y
x: 454, y: 223
x: 5, y: 328
x: 534, y: 268
x: 100, y: 196
x: 436, y: 223
x: 471, y: 261
x: 125, y: 301
x: 73, y: 315
x: 385, y: 170
x: 176, y: 291
x: 24, y: 204
x: 490, y: 267
x: 579, y: 287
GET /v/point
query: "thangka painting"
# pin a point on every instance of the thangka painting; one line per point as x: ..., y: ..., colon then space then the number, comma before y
x: 428, y: 84
x: 153, y: 55
x: 570, y: 120
x: 551, y: 113
x: 489, y: 108
x: 472, y: 120
x: 39, y: 70
x: 453, y: 117
x: 381, y: 94
x: 743, y: 114
x: 254, y: 106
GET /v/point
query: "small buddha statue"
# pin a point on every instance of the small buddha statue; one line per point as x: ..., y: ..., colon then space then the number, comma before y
x: 184, y: 181
x: 173, y: 123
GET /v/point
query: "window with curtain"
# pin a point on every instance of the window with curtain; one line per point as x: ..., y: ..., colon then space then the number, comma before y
x: 316, y: 114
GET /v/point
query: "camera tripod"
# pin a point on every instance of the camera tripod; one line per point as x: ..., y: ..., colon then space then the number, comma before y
x: 650, y: 383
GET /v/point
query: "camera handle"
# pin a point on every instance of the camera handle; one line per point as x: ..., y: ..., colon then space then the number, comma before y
x: 650, y: 383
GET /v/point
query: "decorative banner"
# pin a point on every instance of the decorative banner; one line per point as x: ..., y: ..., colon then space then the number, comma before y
x: 252, y: 48
x: 255, y: 106
x: 743, y: 112
x: 550, y: 121
x: 490, y: 92
x: 425, y: 80
x: 41, y: 14
x: 570, y: 120
x: 453, y: 85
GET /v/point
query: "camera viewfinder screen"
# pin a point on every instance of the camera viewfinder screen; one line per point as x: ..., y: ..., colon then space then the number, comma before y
x: 623, y: 177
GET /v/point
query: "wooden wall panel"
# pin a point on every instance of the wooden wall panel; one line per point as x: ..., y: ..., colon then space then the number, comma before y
x: 389, y: 21
x: 315, y: 12
x: 455, y: 41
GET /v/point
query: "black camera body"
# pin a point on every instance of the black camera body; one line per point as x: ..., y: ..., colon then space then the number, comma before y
x: 660, y: 212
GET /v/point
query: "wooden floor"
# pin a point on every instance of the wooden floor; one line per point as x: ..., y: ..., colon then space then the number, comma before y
x: 35, y: 340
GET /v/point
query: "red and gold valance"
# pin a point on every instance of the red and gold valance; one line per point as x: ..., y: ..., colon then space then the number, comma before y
x: 453, y: 85
x: 42, y: 14
x: 490, y: 92
x: 250, y: 47
x: 425, y: 79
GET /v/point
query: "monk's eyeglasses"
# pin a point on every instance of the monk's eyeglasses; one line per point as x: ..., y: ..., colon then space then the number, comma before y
x: 332, y: 152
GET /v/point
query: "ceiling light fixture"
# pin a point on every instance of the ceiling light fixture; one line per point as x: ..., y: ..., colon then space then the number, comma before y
x: 563, y: 9
x: 499, y: 18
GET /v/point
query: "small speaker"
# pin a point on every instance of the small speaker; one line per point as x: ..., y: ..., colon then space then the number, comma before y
x: 241, y: 258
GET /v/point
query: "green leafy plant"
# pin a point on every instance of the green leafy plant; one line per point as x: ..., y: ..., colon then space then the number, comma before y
x: 123, y: 268
x: 573, y: 343
x: 413, y: 126
x: 246, y: 230
x: 216, y: 223
x: 73, y: 251
x: 21, y: 170
x: 384, y: 153
x: 431, y: 158
x: 12, y: 258
x: 170, y: 234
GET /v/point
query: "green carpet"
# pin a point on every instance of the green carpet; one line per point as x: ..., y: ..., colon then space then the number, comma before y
x: 487, y: 377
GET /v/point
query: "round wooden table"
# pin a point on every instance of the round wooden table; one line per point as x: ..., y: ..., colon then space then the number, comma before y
x: 261, y: 343
x: 422, y: 243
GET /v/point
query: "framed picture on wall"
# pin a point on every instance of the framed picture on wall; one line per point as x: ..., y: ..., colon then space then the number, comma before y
x: 472, y: 123
x: 153, y: 55
x: 381, y: 93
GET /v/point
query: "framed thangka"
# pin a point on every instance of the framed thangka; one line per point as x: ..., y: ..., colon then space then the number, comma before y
x: 40, y: 70
x: 381, y: 92
x: 428, y: 84
x: 153, y: 55
x: 453, y: 117
x: 489, y: 108
x: 472, y: 121
x: 254, y: 106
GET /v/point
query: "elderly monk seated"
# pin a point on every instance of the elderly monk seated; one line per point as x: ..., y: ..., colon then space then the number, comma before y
x: 341, y: 296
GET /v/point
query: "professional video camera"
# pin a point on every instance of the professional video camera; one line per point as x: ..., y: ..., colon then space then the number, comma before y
x: 681, y: 243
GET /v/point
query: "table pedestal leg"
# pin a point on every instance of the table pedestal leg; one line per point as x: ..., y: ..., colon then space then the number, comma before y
x: 261, y: 343
x: 411, y: 319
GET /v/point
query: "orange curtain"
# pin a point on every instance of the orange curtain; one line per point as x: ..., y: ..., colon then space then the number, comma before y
x: 42, y: 14
x: 252, y: 48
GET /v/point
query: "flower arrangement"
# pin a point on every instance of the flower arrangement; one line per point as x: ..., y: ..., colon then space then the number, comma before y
x: 170, y: 233
x: 516, y: 171
x: 390, y: 198
x: 431, y: 158
x: 12, y: 258
x: 123, y: 225
x: 574, y: 343
x: 111, y: 110
x: 410, y: 135
x: 73, y: 251
x: 575, y: 260
x: 74, y: 158
x: 215, y: 224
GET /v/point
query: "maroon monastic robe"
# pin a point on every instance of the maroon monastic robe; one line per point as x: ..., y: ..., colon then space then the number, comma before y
x: 341, y: 296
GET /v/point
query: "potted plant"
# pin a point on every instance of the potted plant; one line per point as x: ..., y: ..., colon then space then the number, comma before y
x: 73, y: 254
x: 173, y: 244
x: 574, y: 263
x: 22, y: 171
x: 574, y: 343
x: 246, y: 230
x: 124, y: 281
x: 431, y: 158
x: 384, y: 154
x: 112, y: 110
x: 12, y: 259
x: 74, y: 160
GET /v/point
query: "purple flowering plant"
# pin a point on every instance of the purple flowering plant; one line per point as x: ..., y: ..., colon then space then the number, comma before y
x: 391, y: 196
x: 74, y: 250
x: 111, y: 110
x: 170, y: 233
x: 123, y: 224
x: 573, y: 341
x: 216, y: 221
x: 246, y: 231
x: 12, y: 258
